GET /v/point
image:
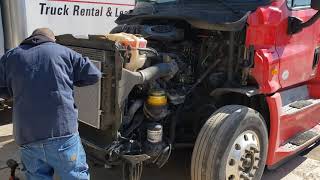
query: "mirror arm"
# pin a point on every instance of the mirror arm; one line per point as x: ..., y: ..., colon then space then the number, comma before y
x: 312, y: 20
x: 295, y: 25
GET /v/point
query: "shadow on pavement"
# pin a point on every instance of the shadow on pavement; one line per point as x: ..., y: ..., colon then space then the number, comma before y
x: 5, y: 117
x: 284, y: 170
x: 8, y: 150
x: 5, y: 138
x: 313, y: 152
x: 178, y: 168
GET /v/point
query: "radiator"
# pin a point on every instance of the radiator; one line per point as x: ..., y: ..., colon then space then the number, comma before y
x: 88, y: 102
x: 96, y: 103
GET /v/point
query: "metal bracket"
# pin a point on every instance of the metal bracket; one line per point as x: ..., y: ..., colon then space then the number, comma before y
x: 136, y: 159
x: 133, y: 167
x: 294, y: 25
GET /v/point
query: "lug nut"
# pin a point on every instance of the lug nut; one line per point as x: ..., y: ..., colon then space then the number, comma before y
x: 244, y: 176
x: 238, y: 147
x: 254, y: 150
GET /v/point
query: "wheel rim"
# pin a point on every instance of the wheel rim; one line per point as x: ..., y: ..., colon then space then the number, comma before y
x: 244, y: 157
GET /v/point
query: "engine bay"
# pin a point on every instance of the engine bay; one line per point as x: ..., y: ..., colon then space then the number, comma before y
x: 167, y: 100
x: 156, y: 90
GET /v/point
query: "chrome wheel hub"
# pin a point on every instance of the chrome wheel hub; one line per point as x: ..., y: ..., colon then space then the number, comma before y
x: 244, y: 157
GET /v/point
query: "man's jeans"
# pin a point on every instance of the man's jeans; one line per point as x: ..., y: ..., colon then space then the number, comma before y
x: 64, y: 156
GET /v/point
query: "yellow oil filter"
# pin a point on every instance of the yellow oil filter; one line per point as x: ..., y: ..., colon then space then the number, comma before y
x: 157, y: 98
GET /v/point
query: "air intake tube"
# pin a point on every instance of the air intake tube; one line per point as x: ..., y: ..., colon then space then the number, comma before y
x: 159, y: 71
x: 130, y: 79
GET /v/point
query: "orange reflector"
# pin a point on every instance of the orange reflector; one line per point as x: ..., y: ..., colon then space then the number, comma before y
x: 275, y: 72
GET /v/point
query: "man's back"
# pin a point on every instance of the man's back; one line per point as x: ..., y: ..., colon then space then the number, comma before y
x: 41, y: 78
x: 39, y: 75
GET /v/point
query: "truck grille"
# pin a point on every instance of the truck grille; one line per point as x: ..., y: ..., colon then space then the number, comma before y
x: 93, y: 54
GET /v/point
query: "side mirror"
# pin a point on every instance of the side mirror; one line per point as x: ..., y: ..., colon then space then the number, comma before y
x: 296, y: 25
x: 315, y: 4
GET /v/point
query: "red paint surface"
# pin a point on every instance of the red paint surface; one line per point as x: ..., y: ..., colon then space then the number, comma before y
x: 266, y: 60
x: 296, y: 51
x: 262, y: 33
x: 274, y: 134
x: 283, y: 127
x: 299, y: 122
x: 277, y: 52
x: 92, y: 2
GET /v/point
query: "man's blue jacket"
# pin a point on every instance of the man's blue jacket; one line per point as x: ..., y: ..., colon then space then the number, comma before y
x: 40, y: 76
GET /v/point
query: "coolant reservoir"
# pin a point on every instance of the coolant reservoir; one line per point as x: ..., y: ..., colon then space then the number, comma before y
x: 137, y: 60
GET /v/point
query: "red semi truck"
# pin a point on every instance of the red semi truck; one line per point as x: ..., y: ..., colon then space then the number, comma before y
x: 237, y: 81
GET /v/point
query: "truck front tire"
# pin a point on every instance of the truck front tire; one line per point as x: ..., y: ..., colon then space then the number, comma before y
x: 231, y: 145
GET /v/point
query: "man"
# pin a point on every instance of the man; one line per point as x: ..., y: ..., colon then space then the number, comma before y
x: 40, y: 75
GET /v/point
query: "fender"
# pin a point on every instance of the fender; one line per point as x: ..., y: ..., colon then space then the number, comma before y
x: 247, y: 91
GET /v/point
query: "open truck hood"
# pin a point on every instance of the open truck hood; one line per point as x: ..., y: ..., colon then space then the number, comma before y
x: 221, y: 15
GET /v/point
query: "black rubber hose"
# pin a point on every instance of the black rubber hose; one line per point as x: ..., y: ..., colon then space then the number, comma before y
x: 173, y: 124
x: 136, y: 122
x: 204, y: 75
x: 159, y: 70
x: 175, y: 119
x: 132, y: 110
x: 231, y: 58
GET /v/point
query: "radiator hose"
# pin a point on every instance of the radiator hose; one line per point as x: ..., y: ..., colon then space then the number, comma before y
x: 158, y: 71
x: 129, y: 78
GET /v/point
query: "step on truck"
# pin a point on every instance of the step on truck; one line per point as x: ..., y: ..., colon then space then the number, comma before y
x: 237, y: 81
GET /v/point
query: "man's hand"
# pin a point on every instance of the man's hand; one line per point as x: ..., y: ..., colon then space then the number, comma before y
x: 85, y: 72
